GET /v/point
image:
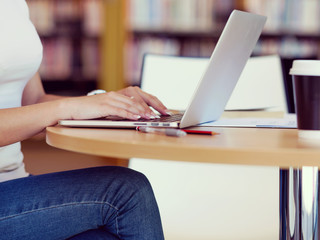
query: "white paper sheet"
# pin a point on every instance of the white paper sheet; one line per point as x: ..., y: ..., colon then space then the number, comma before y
x: 288, y: 121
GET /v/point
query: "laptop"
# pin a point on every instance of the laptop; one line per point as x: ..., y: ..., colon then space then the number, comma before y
x: 220, y: 77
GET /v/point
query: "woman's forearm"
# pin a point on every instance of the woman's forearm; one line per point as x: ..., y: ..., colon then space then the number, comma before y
x: 50, y: 97
x: 17, y: 124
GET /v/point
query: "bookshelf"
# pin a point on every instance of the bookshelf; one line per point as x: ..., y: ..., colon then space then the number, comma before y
x: 192, y: 27
x: 83, y: 50
x: 70, y: 32
x: 100, y: 43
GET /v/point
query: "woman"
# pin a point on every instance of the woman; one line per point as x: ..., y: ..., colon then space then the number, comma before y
x: 97, y: 203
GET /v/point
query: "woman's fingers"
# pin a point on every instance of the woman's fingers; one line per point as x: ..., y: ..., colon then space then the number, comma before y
x: 120, y: 112
x: 133, y: 106
x: 155, y: 103
x: 125, y: 104
x: 145, y: 100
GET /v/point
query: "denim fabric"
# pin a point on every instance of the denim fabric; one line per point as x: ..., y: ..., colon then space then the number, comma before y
x: 95, y: 203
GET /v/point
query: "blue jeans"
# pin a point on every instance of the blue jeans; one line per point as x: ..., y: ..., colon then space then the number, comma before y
x: 96, y: 203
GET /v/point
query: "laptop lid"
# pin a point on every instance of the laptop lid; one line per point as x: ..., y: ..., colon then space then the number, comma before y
x: 227, y: 61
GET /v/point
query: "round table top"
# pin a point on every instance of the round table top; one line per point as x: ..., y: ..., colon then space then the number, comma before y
x: 248, y: 146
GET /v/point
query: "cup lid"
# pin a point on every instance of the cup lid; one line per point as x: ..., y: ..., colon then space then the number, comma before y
x: 305, y: 67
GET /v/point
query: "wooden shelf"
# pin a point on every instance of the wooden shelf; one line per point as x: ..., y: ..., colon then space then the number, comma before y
x: 215, y: 34
x: 179, y: 34
x: 289, y: 33
x: 69, y: 87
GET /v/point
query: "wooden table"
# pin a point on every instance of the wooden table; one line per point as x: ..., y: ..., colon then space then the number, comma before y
x: 253, y: 146
x: 246, y: 146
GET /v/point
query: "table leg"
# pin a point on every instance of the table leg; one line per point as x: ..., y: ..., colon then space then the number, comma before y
x: 299, y: 200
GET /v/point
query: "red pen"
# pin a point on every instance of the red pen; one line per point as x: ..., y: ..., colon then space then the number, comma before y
x: 199, y: 132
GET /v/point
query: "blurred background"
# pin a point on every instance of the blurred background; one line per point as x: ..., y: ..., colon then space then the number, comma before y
x: 76, y: 35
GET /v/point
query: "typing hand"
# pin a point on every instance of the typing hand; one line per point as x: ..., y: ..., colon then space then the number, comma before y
x: 131, y: 103
x: 146, y: 100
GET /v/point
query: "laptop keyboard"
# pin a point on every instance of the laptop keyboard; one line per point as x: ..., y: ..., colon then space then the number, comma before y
x: 163, y: 118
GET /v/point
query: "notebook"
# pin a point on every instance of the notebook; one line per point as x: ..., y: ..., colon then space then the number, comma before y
x: 220, y: 77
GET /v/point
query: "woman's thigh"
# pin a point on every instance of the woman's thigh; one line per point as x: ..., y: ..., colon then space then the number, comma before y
x: 95, y: 234
x: 62, y: 205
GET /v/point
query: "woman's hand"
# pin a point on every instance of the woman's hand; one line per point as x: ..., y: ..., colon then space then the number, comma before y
x: 145, y: 99
x: 131, y: 103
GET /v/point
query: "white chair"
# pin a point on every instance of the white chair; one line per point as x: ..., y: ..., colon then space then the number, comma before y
x: 173, y: 80
x: 210, y: 201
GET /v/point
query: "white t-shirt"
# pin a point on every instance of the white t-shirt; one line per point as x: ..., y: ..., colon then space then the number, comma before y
x: 20, y: 57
